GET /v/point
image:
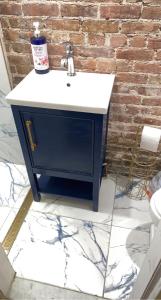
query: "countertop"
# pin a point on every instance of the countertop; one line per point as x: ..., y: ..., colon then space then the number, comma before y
x: 85, y: 92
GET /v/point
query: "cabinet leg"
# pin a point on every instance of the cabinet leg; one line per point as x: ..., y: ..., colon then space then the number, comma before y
x: 36, y: 195
x: 96, y: 187
x: 34, y: 187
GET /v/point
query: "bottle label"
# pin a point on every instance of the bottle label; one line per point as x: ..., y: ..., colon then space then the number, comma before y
x: 40, y: 57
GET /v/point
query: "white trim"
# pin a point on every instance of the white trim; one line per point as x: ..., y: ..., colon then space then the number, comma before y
x: 6, y: 272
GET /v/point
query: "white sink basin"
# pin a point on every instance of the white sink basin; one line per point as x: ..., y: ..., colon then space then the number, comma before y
x: 85, y: 92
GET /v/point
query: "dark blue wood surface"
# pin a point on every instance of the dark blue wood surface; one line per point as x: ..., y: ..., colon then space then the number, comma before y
x: 65, y: 187
x: 63, y: 174
x: 63, y: 143
x: 70, y: 145
x: 25, y: 150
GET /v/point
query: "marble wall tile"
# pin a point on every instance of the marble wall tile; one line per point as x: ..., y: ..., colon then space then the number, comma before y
x: 62, y: 251
x: 13, y: 179
x: 4, y: 212
x: 127, y: 251
x: 10, y: 149
x: 3, y: 102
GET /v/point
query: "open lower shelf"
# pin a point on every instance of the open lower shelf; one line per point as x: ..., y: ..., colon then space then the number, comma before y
x: 65, y: 187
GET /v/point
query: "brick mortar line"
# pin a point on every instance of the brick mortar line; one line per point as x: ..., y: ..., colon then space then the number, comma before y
x: 131, y: 20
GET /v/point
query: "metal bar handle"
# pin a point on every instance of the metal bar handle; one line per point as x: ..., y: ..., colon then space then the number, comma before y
x: 32, y: 144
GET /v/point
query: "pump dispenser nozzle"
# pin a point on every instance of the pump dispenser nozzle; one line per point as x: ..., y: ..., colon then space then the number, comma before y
x: 37, y: 31
x: 39, y: 51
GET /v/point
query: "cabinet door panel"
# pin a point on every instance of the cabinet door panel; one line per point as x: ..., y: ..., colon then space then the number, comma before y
x: 62, y: 143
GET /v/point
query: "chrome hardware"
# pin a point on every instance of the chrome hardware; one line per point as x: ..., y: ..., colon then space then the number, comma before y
x: 28, y: 126
x: 69, y: 48
x: 64, y: 63
x: 68, y: 62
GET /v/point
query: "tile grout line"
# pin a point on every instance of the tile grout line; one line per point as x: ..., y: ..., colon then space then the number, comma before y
x: 103, y: 292
x: 64, y: 216
x: 135, y: 228
x: 61, y: 215
x: 107, y: 261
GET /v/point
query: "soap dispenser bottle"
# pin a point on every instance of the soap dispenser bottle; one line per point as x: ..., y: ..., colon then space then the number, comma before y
x: 39, y: 51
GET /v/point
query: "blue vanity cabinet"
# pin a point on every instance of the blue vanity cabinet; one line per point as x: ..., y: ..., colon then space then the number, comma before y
x: 65, y: 148
x: 61, y: 143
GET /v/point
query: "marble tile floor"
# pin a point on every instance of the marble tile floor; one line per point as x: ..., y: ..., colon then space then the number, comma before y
x: 79, y: 208
x: 28, y: 289
x: 69, y: 245
x: 129, y: 243
x: 62, y: 251
x: 126, y: 254
x: 79, y: 238
x: 129, y: 212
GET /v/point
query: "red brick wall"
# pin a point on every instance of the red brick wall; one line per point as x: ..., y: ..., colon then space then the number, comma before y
x: 118, y: 36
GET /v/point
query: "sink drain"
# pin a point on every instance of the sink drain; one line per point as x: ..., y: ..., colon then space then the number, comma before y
x: 68, y: 84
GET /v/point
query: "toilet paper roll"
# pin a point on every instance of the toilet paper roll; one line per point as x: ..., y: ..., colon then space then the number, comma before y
x: 150, y: 138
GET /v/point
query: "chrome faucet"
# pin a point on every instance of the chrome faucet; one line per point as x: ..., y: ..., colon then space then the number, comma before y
x: 68, y: 61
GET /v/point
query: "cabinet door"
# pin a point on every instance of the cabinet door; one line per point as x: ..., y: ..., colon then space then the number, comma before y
x: 60, y: 143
